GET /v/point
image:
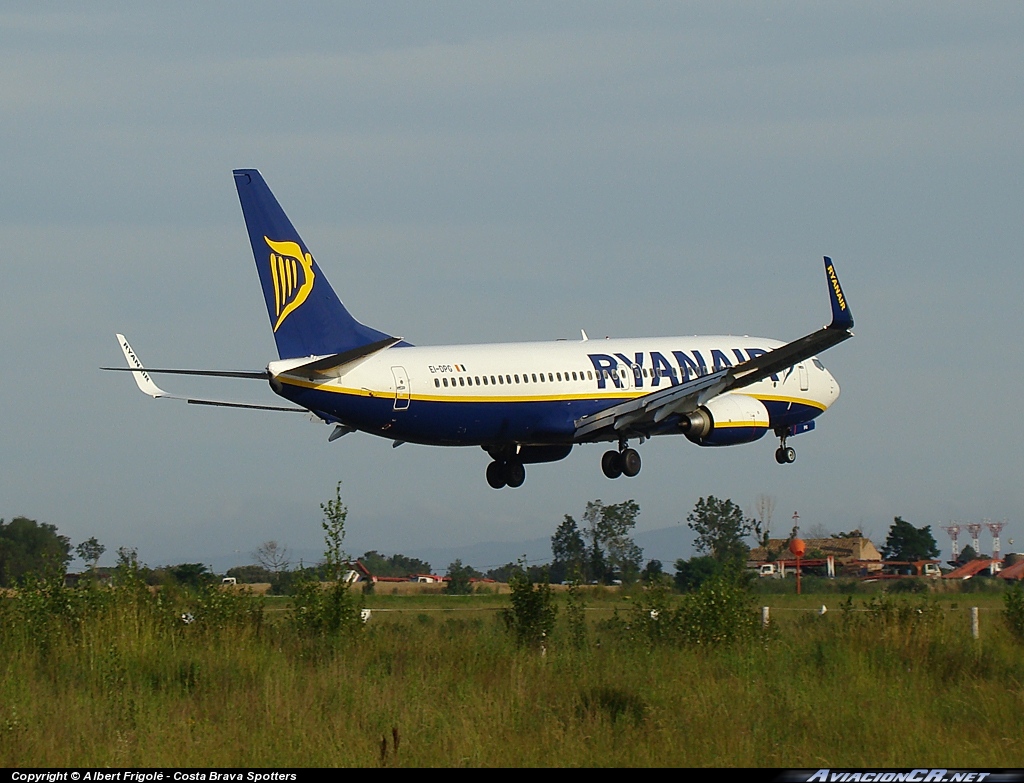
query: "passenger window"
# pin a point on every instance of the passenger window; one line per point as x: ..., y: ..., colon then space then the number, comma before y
x: 517, y: 379
x: 590, y: 375
x: 500, y: 379
x: 492, y: 381
x: 535, y: 377
x: 508, y: 379
x: 485, y: 380
x: 461, y: 381
x: 446, y: 383
x: 559, y: 376
x: 542, y: 378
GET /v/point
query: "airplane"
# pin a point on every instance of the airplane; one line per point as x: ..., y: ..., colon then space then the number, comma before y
x: 522, y: 403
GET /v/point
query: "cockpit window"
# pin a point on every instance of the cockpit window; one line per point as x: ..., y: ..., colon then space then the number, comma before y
x: 818, y: 364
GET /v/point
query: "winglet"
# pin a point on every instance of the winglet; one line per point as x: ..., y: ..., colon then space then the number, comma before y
x: 142, y: 378
x: 842, y: 318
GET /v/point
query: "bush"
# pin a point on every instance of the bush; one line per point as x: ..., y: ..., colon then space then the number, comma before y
x: 531, y: 618
x: 719, y: 612
x: 1013, y: 610
x: 908, y: 586
x: 325, y: 610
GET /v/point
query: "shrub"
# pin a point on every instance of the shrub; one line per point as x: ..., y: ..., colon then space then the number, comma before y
x: 1013, y: 610
x: 719, y: 612
x: 531, y: 618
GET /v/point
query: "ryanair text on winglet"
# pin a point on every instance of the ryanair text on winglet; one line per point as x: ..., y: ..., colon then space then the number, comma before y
x: 835, y: 285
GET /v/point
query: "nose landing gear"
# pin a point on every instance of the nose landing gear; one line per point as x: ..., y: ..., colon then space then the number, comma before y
x: 624, y: 462
x: 784, y: 454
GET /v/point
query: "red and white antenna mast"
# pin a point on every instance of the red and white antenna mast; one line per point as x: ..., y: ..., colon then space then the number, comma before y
x: 954, y: 531
x: 995, y: 528
x: 974, y: 528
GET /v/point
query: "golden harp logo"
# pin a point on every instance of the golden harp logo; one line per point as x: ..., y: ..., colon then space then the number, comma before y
x: 291, y: 271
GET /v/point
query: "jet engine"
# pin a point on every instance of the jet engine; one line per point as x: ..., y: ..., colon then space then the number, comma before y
x: 726, y: 421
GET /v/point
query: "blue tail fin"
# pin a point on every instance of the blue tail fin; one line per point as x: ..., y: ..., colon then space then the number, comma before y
x: 306, y: 315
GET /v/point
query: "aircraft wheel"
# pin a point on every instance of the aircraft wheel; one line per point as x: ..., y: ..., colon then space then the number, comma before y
x: 515, y: 474
x: 496, y: 475
x: 780, y: 455
x: 630, y: 461
x: 611, y: 464
x: 790, y: 454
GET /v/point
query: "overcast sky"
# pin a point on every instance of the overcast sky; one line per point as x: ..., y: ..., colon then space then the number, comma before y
x: 472, y: 173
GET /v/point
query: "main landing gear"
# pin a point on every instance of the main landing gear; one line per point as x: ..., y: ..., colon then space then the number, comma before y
x: 624, y: 462
x: 784, y: 454
x: 506, y: 473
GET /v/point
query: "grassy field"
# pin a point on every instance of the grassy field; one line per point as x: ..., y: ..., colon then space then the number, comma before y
x: 116, y: 678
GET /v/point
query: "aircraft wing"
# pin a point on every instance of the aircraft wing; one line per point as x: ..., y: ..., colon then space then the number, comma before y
x: 146, y: 385
x: 644, y: 413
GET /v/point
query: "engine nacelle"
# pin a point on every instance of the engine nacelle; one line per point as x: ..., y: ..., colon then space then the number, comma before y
x: 726, y: 421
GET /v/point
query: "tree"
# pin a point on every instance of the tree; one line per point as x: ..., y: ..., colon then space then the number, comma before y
x: 272, y: 556
x: 850, y: 534
x: 334, y: 610
x: 692, y: 573
x: 335, y: 513
x: 967, y: 555
x: 720, y: 527
x: 568, y: 552
x: 612, y: 549
x: 505, y: 573
x: 818, y: 531
x: 654, y: 573
x: 458, y: 578
x: 251, y: 574
x: 763, y: 510
x: 906, y: 542
x: 396, y: 565
x: 31, y: 548
x: 194, y: 575
x: 90, y: 551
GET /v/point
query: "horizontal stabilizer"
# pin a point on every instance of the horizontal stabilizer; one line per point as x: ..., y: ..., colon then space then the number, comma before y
x: 148, y: 387
x: 260, y: 375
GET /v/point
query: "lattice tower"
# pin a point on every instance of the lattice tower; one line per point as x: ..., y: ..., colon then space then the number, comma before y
x: 975, y: 530
x: 953, y: 531
x: 995, y: 528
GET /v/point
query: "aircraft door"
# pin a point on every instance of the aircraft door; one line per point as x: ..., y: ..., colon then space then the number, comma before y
x: 401, y: 388
x: 636, y: 377
x: 802, y: 372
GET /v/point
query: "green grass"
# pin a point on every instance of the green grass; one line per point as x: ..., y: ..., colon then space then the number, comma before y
x: 115, y: 679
